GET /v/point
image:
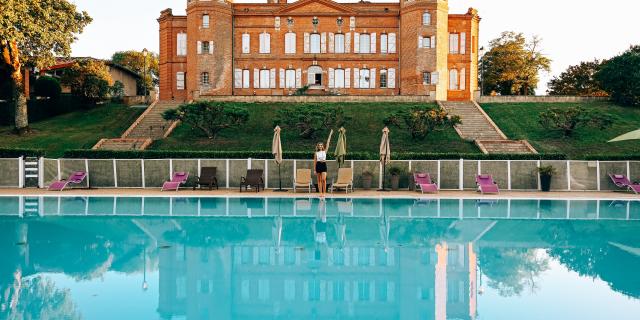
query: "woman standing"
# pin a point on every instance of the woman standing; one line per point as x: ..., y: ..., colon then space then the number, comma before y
x: 320, y: 164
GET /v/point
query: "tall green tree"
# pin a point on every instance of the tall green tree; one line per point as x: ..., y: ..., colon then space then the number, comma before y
x: 578, y: 80
x: 88, y: 79
x: 136, y: 62
x: 512, y: 65
x: 32, y: 33
x: 620, y: 76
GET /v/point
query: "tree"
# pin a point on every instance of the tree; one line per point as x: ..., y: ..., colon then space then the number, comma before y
x: 117, y: 91
x: 210, y: 117
x: 568, y: 119
x: 512, y: 65
x: 620, y: 76
x: 135, y: 61
x: 48, y: 87
x: 88, y: 79
x: 311, y: 119
x: 578, y: 80
x: 32, y: 33
x: 512, y: 270
x: 420, y: 121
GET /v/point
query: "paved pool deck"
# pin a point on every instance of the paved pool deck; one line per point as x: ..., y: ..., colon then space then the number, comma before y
x: 591, y: 195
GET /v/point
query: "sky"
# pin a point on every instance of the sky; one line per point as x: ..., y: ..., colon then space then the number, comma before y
x: 571, y: 30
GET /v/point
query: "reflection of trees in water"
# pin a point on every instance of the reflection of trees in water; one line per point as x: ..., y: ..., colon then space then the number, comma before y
x: 40, y: 299
x: 512, y: 270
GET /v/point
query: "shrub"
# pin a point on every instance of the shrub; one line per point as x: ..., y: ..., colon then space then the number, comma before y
x: 420, y: 121
x: 208, y: 116
x: 88, y: 79
x: 567, y: 120
x: 48, y: 87
x: 16, y: 153
x: 117, y: 91
x: 311, y: 119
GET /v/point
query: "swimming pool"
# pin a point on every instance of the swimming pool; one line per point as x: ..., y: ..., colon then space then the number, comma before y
x: 299, y: 258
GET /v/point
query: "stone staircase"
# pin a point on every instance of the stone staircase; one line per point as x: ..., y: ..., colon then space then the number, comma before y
x: 148, y: 127
x: 478, y: 126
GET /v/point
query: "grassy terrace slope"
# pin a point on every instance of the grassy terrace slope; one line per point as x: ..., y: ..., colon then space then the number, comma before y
x: 363, y: 133
x: 520, y: 121
x: 79, y: 129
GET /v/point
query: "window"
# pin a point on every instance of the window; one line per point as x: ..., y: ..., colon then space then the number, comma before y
x: 426, y: 19
x: 383, y: 78
x: 454, y: 43
x: 383, y: 43
x: 290, y: 78
x: 290, y: 43
x: 315, y: 43
x: 425, y: 42
x: 338, y: 43
x: 453, y: 79
x: 365, y: 43
x: 204, y: 79
x: 264, y: 79
x: 205, y: 47
x: 314, y: 76
x: 265, y: 43
x: 180, y: 80
x: 205, y: 21
x: 182, y: 44
x: 365, y: 77
x: 339, y: 80
x: 245, y: 78
x: 246, y: 43
x: 242, y: 80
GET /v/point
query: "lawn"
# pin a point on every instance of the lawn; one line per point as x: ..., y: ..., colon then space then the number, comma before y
x: 520, y: 121
x: 363, y: 133
x: 75, y: 130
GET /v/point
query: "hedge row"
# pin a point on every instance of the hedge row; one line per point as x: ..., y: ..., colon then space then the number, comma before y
x: 167, y: 154
x: 613, y: 157
x: 16, y: 153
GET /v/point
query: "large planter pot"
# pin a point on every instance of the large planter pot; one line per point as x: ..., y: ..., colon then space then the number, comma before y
x: 545, y: 182
x: 395, y: 182
x: 366, y: 182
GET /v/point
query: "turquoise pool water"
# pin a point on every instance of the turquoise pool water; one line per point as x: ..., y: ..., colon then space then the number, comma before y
x: 257, y: 258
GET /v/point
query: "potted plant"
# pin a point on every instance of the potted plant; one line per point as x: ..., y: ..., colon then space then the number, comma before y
x: 395, y: 173
x: 367, y: 179
x: 546, y: 172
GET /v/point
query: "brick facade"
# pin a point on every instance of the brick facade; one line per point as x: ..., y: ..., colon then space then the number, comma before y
x: 221, y: 48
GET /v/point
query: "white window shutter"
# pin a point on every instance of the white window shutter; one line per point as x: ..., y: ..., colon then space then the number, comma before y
x: 199, y: 49
x: 419, y: 42
x: 392, y: 43
x: 373, y: 42
x: 331, y: 77
x: 246, y: 43
x: 282, y: 78
x: 331, y: 42
x: 356, y: 78
x: 347, y: 78
x: 323, y: 42
x: 272, y: 78
x: 463, y: 43
x: 384, y: 40
x: 356, y: 42
x: 210, y: 47
x: 256, y: 79
x: 435, y: 77
x: 306, y: 42
x: 347, y: 42
x: 433, y: 41
x: 246, y: 81
x: 372, y: 78
x: 463, y: 79
x: 267, y: 43
x: 237, y: 78
x: 298, y: 78
x: 391, y: 78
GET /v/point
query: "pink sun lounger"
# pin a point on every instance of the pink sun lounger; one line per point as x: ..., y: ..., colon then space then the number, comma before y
x: 423, y: 181
x: 75, y: 178
x: 486, y: 184
x: 621, y: 181
x: 176, y: 181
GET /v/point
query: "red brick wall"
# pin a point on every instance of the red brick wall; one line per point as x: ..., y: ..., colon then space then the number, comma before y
x: 169, y: 61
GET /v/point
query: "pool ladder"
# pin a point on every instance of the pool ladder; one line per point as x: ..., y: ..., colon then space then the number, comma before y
x: 31, y: 172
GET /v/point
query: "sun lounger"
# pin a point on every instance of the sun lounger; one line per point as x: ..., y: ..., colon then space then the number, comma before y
x: 75, y: 178
x: 423, y: 183
x: 253, y: 179
x: 486, y: 184
x: 344, y: 181
x: 621, y: 181
x: 207, y: 178
x: 178, y: 179
x: 302, y: 179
